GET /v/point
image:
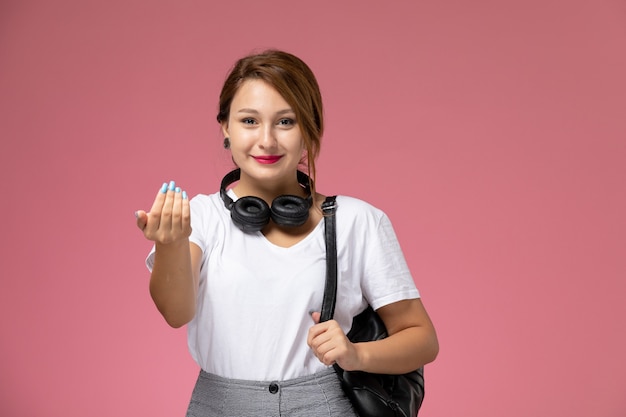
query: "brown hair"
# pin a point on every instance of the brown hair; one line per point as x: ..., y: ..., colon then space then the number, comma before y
x: 295, y: 82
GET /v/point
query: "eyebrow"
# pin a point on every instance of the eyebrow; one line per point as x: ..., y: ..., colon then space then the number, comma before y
x: 253, y: 111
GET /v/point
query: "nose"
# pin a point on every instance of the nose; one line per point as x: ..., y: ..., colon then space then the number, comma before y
x: 267, y: 138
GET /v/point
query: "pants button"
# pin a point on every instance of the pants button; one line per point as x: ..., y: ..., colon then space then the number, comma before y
x: 273, y: 388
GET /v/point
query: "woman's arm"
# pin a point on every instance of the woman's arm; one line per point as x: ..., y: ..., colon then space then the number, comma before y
x: 411, y: 344
x: 176, y: 269
x: 174, y: 281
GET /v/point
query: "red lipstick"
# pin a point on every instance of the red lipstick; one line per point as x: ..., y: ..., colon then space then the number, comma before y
x: 267, y: 159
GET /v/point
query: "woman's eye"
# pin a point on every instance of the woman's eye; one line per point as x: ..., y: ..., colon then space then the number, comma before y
x: 286, y: 122
x: 247, y: 121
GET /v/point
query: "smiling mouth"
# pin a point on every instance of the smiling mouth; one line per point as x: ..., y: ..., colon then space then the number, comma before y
x: 267, y: 159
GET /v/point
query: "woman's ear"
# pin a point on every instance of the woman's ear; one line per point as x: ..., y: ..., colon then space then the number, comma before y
x: 225, y: 129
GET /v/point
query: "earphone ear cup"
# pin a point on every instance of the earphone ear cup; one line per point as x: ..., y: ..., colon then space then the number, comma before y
x: 250, y: 214
x: 290, y: 210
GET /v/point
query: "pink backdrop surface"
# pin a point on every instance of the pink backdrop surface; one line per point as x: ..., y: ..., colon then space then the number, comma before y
x: 493, y: 133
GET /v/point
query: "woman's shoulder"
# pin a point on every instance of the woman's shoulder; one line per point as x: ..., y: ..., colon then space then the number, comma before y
x: 207, y: 198
x: 207, y: 202
x: 357, y: 208
x: 355, y: 203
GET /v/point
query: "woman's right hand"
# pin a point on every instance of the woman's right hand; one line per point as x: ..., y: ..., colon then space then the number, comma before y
x: 169, y: 218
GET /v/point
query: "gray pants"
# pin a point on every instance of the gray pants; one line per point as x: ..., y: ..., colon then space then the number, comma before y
x: 318, y: 395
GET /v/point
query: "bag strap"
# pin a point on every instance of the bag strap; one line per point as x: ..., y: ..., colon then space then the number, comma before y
x: 329, y: 207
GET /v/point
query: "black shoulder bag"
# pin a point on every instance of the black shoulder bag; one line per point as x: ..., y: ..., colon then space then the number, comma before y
x: 372, y: 395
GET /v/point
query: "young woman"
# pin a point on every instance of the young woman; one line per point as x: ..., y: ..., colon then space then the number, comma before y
x: 244, y: 268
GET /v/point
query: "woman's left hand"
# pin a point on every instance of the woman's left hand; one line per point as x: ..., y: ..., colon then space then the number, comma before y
x: 331, y: 345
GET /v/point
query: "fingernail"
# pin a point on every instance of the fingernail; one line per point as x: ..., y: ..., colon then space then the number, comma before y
x: 172, y: 185
x: 184, y: 195
x: 311, y: 312
x: 164, y: 187
x: 177, y: 189
x: 136, y: 215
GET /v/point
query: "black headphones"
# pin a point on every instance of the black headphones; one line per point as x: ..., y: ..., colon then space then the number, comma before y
x: 251, y: 213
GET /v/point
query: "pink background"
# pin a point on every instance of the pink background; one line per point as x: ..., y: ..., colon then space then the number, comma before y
x: 492, y: 132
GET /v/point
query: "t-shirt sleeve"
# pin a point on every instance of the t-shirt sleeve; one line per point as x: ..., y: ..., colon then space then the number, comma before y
x: 198, y: 223
x: 387, y: 278
x: 150, y: 259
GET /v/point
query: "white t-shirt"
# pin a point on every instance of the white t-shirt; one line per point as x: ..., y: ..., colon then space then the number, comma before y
x: 253, y: 305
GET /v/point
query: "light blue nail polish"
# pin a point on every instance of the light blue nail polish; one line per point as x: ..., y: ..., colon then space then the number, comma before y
x: 164, y: 187
x: 177, y: 189
x: 184, y: 195
x: 172, y: 185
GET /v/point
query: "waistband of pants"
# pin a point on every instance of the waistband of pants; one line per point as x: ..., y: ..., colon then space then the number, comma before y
x: 313, y: 379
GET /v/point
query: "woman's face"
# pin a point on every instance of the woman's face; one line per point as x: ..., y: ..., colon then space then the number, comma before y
x: 265, y: 139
